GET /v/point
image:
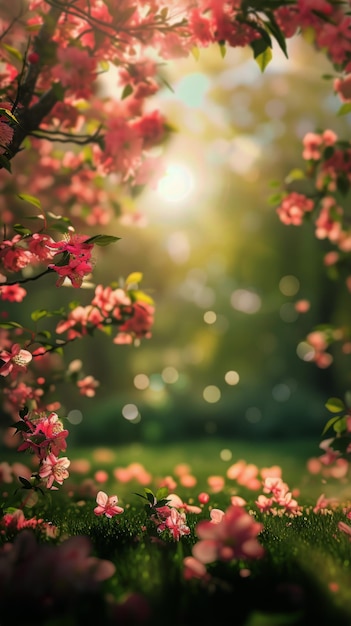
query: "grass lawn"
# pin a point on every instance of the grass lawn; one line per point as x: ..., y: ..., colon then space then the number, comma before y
x: 303, y: 577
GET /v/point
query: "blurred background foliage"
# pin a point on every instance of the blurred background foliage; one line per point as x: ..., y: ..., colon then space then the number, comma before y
x: 223, y: 271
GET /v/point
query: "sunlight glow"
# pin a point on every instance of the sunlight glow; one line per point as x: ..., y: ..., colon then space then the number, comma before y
x: 177, y: 183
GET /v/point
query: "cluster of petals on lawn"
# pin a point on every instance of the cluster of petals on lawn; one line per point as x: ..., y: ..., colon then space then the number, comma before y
x: 213, y: 535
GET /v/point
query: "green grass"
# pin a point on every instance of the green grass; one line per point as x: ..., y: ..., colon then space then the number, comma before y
x: 303, y: 579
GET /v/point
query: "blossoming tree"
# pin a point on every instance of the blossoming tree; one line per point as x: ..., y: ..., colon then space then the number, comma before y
x: 70, y: 154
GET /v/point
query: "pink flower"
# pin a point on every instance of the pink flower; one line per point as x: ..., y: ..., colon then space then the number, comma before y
x: 15, y: 361
x: 79, y: 263
x: 87, y: 386
x: 107, y: 505
x: 293, y: 208
x: 176, y: 524
x: 234, y: 537
x: 54, y: 469
x: 345, y: 528
x: 6, y: 131
x: 216, y: 515
x: 342, y: 86
x: 194, y: 569
x: 13, y: 293
x: 46, y: 434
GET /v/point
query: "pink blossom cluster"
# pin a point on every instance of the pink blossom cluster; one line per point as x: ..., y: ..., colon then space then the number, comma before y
x: 110, y: 307
x: 229, y: 535
x: 12, y: 523
x: 48, y: 577
x: 330, y: 463
x: 45, y: 437
x: 279, y: 499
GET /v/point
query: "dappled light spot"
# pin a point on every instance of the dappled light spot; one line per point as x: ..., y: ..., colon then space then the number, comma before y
x: 191, y: 89
x: 141, y: 381
x: 275, y: 108
x: 288, y: 312
x: 281, y: 392
x: 289, y: 285
x: 156, y: 382
x: 170, y: 374
x: 178, y: 247
x: 305, y: 351
x: 225, y: 454
x: 80, y: 466
x: 75, y: 416
x: 244, y: 151
x: 103, y: 455
x: 210, y: 317
x: 253, y: 414
x: 231, y: 377
x: 130, y: 411
x: 211, y: 394
x: 206, y: 297
x: 157, y: 397
x: 245, y: 301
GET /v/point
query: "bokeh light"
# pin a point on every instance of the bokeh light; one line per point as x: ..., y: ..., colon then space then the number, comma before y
x: 212, y: 394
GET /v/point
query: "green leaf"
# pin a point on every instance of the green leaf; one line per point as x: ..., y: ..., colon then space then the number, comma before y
x: 31, y: 199
x: 196, y: 53
x: 329, y: 424
x: 26, y: 484
x: 134, y: 278
x: 140, y: 296
x: 344, y: 109
x: 13, y: 51
x: 102, y: 240
x: 264, y: 59
x: 5, y: 163
x: 161, y: 493
x: 275, y: 198
x: 166, y: 84
x: 10, y: 325
x: 20, y: 426
x: 8, y: 114
x: 276, y: 32
x: 104, y: 65
x: 340, y: 425
x: 126, y: 91
x: 295, y: 174
x: 222, y: 49
x: 21, y: 230
x: 335, y: 405
x: 59, y: 91
x: 39, y: 314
